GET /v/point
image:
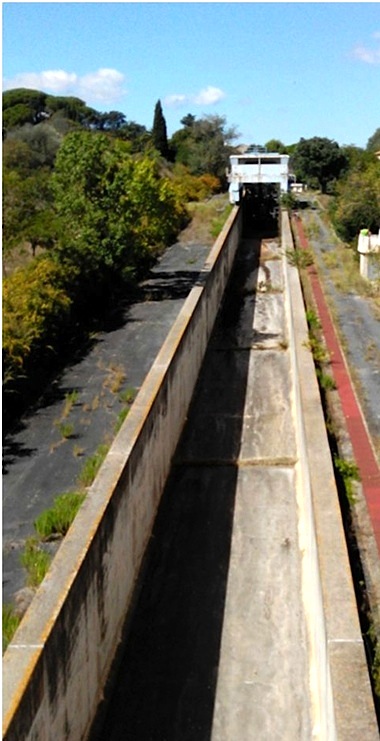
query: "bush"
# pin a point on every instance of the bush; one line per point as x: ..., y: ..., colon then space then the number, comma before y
x: 35, y: 306
x: 193, y: 187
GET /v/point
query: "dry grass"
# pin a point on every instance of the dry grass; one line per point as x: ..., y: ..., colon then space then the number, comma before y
x: 203, y: 214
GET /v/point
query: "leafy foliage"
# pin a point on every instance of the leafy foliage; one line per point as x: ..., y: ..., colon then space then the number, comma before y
x: 357, y: 201
x: 115, y: 209
x: 203, y: 145
x: 28, y: 209
x: 35, y: 303
x: 318, y: 161
x: 95, y: 203
x: 373, y: 144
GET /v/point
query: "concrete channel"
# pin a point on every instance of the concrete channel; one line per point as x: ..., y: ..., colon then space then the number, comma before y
x: 204, y: 590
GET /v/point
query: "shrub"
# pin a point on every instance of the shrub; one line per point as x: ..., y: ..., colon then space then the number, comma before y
x: 35, y: 305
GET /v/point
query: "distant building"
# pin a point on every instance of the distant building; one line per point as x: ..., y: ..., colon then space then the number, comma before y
x: 256, y: 166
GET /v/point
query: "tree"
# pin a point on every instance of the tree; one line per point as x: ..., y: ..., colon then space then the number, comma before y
x: 275, y: 145
x: 357, y: 202
x: 204, y: 145
x: 159, y: 133
x: 114, y: 209
x: 136, y: 134
x: 111, y: 121
x: 373, y: 144
x: 28, y: 214
x: 23, y: 106
x: 43, y: 140
x: 318, y: 161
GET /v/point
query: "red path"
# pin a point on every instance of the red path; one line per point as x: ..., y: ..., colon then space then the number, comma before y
x: 361, y: 443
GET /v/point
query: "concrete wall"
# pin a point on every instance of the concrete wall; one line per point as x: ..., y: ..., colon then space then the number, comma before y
x: 343, y: 707
x: 57, y: 664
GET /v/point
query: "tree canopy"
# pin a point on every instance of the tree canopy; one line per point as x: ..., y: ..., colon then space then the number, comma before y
x: 204, y: 145
x: 373, y: 144
x: 318, y: 161
x: 357, y: 200
x: 112, y: 207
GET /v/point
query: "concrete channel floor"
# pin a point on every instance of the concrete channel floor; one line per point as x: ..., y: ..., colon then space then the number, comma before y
x: 213, y: 650
x: 38, y: 463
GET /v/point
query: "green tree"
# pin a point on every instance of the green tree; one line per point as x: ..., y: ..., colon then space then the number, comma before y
x: 136, y: 134
x: 373, y: 144
x: 43, y: 140
x: 73, y: 109
x: 114, y: 209
x: 22, y: 106
x: 28, y: 214
x: 275, y: 145
x: 159, y: 132
x: 357, y: 202
x: 318, y: 161
x: 204, y: 145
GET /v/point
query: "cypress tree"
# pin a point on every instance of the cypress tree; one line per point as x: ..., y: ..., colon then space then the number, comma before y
x: 159, y: 134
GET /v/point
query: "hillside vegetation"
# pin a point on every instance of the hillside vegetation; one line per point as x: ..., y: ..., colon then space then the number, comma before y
x: 91, y: 199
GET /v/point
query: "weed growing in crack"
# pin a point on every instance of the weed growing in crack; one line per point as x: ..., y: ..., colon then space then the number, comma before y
x: 349, y: 473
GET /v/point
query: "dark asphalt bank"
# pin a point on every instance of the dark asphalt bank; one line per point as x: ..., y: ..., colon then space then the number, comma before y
x: 39, y: 462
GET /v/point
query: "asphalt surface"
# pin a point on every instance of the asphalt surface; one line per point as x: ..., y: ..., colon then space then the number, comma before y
x: 39, y: 463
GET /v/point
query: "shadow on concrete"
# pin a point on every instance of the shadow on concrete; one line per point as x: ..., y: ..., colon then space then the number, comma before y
x: 162, y: 285
x: 164, y: 683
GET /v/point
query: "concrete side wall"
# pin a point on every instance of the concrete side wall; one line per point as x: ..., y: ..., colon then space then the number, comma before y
x: 57, y: 664
x: 342, y: 700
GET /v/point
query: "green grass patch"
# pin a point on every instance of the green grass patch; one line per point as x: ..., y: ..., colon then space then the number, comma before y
x: 349, y: 473
x: 66, y: 429
x: 300, y: 259
x: 218, y: 223
x: 312, y: 320
x: 57, y: 519
x: 318, y: 351
x: 92, y: 465
x: 10, y: 623
x: 325, y: 381
x: 36, y: 561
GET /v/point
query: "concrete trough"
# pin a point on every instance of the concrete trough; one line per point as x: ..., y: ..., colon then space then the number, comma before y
x: 56, y: 667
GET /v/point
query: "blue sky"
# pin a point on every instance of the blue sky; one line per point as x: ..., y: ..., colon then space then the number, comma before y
x: 273, y: 70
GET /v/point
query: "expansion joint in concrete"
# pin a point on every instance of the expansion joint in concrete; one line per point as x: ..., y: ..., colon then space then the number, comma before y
x: 267, y: 462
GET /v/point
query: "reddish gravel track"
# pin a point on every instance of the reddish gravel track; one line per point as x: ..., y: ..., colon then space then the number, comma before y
x: 360, y: 439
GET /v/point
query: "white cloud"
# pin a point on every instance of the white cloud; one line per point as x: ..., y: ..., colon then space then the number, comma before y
x: 175, y: 101
x: 207, y: 96
x: 367, y: 54
x: 105, y: 85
